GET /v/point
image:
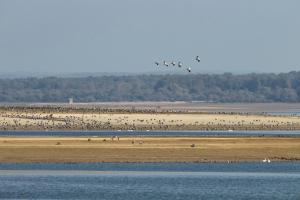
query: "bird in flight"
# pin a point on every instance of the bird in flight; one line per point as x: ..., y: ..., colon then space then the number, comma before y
x: 166, y: 64
x: 179, y: 64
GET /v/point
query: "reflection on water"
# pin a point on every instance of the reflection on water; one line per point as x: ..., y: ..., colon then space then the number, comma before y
x: 157, y: 181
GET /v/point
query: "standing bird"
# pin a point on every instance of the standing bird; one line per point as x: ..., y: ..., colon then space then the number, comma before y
x: 189, y: 69
x: 173, y: 63
x: 179, y: 64
x: 166, y: 64
x: 157, y: 64
x: 198, y: 58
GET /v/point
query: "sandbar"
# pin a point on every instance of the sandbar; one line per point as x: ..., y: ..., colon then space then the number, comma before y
x: 147, y: 149
x: 89, y: 119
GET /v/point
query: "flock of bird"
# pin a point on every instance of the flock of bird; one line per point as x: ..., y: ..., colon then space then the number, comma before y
x: 173, y: 63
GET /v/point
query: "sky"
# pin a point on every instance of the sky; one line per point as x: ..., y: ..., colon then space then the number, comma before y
x: 128, y: 36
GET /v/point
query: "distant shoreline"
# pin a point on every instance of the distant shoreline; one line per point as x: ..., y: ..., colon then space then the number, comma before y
x: 78, y: 118
x: 163, y: 106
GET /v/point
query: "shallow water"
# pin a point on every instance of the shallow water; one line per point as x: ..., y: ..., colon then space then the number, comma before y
x: 273, y: 167
x: 151, y: 181
x: 285, y: 113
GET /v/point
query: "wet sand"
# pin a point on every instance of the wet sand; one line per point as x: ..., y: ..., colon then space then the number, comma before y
x: 24, y: 118
x: 147, y: 149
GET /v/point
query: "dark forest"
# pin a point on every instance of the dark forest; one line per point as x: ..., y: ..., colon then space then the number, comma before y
x: 284, y: 87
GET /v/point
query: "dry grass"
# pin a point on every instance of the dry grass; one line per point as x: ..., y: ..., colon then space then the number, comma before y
x: 147, y: 149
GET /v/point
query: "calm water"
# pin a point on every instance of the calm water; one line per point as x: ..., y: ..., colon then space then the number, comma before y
x: 151, y: 181
x: 151, y: 133
x: 285, y: 113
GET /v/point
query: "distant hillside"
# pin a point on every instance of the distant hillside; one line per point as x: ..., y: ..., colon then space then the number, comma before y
x: 226, y: 87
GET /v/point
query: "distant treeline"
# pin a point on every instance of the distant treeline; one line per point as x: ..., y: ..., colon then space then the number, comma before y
x: 284, y: 87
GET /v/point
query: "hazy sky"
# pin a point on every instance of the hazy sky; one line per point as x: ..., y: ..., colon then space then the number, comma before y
x: 64, y: 36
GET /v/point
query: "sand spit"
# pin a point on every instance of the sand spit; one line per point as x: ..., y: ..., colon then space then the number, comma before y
x: 147, y: 149
x: 24, y: 118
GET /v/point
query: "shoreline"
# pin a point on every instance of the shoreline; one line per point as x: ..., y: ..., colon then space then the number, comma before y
x: 144, y: 149
x: 283, y: 160
x: 54, y: 119
x: 148, y: 149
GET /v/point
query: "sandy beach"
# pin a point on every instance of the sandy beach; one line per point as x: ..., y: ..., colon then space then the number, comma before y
x: 89, y: 119
x: 143, y: 149
x: 147, y: 149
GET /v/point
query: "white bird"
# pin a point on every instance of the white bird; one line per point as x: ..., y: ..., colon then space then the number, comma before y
x: 198, y: 58
x: 189, y: 69
x: 179, y: 64
x: 173, y: 63
x: 166, y: 64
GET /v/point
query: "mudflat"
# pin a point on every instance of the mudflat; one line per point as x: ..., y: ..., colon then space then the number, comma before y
x: 147, y: 149
x: 24, y: 118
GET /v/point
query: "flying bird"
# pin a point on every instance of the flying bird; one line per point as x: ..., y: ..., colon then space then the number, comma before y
x: 179, y: 64
x: 166, y: 64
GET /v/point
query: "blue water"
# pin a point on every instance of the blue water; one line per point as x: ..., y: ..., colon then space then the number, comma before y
x: 151, y: 133
x: 170, y: 167
x: 151, y: 181
x: 285, y: 113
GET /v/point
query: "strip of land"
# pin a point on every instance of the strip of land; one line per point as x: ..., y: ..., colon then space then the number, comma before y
x: 147, y: 149
x: 89, y: 119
